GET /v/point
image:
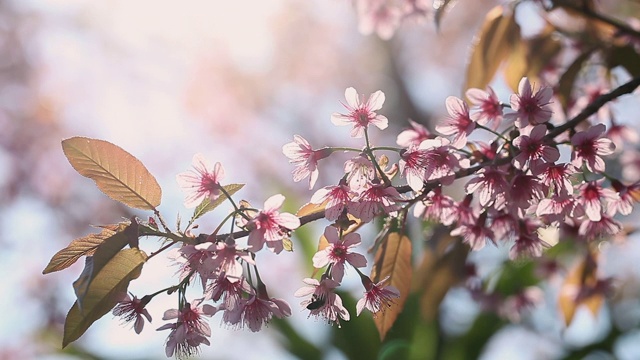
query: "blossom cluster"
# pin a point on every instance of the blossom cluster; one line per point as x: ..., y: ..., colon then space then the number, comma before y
x: 516, y: 185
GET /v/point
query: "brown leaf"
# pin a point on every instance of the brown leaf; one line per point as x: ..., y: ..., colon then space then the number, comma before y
x: 582, y: 276
x: 493, y: 43
x: 393, y: 259
x: 103, y: 293
x: 117, y: 173
x: 310, y: 208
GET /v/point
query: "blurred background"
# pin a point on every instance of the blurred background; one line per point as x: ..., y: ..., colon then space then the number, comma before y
x: 234, y: 80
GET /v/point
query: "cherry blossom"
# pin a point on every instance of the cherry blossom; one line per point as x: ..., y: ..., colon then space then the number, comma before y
x: 270, y: 226
x: 190, y: 329
x: 533, y: 151
x: 257, y: 310
x: 414, y: 136
x: 380, y: 16
x: 133, y: 309
x: 488, y: 106
x: 376, y: 296
x: 360, y: 171
x: 304, y: 158
x: 324, y: 302
x: 589, y: 146
x: 338, y: 199
x: 592, y: 194
x: 531, y: 108
x: 202, y: 182
x: 361, y: 113
x: 491, y: 187
x: 377, y: 199
x: 338, y: 252
x: 458, y: 124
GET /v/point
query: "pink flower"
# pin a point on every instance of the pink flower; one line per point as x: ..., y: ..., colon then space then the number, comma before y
x: 559, y: 207
x: 190, y: 329
x: 376, y: 296
x: 627, y: 196
x: 413, y: 136
x: 377, y: 199
x: 270, y: 226
x: 488, y: 105
x: 525, y: 191
x: 359, y: 171
x: 527, y: 243
x: 589, y: 146
x: 226, y: 259
x: 436, y: 207
x: 305, y: 159
x: 531, y: 108
x: 474, y: 233
x: 557, y: 177
x: 458, y: 124
x: 591, y: 196
x: 257, y: 310
x: 361, y: 113
x: 413, y: 165
x: 442, y: 162
x: 221, y: 287
x: 379, y: 16
x: 338, y: 199
x: 338, y: 252
x: 324, y: 302
x: 491, y: 187
x: 533, y: 150
x: 201, y: 183
x: 130, y: 309
x: 194, y: 258
x: 605, y: 226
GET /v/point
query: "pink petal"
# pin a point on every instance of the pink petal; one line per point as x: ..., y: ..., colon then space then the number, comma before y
x: 375, y: 101
x: 352, y: 97
x: 273, y: 203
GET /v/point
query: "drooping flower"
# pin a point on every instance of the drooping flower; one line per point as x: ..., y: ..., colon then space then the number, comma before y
x: 531, y: 108
x: 525, y: 190
x: 376, y: 297
x: 527, y: 242
x: 475, y: 233
x: 414, y: 136
x: 324, y: 302
x: 604, y: 227
x: 202, y: 182
x: 220, y: 287
x: 302, y: 155
x: 132, y: 309
x: 258, y: 309
x: 361, y: 113
x: 226, y: 258
x: 592, y: 194
x: 413, y: 165
x: 339, y: 252
x: 589, y: 146
x: 194, y: 258
x: 271, y: 226
x: 488, y: 106
x: 458, y: 124
x: 627, y: 196
x: 436, y: 207
x: 190, y: 329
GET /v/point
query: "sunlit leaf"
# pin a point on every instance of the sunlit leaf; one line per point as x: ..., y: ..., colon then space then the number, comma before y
x: 310, y: 209
x: 441, y: 269
x: 103, y: 293
x: 625, y: 56
x: 530, y: 56
x: 565, y: 84
x: 393, y: 259
x: 117, y: 173
x: 207, y: 205
x: 582, y: 276
x: 84, y: 246
x: 492, y: 46
x: 102, y: 256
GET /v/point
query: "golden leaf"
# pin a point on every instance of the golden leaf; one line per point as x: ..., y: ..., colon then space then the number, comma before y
x: 117, y: 173
x: 393, y: 259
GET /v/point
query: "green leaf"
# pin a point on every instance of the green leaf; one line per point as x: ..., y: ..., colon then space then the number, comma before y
x: 117, y: 173
x: 103, y: 293
x: 493, y: 43
x: 207, y: 205
x: 102, y: 257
